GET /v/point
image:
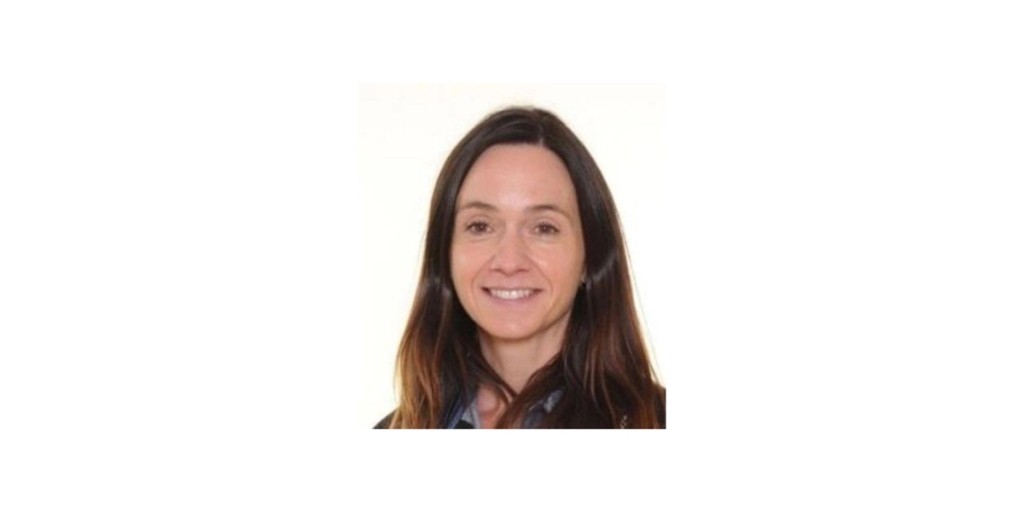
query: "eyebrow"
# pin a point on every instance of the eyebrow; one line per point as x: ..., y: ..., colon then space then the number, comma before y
x: 480, y: 205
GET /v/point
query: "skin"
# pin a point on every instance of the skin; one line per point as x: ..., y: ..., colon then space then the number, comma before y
x: 517, y: 227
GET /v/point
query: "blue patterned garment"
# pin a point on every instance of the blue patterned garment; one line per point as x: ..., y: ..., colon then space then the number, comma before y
x: 470, y: 417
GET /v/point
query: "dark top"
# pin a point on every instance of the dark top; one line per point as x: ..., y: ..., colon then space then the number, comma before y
x: 468, y: 418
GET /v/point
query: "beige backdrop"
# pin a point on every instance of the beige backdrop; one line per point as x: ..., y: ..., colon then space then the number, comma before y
x: 405, y: 133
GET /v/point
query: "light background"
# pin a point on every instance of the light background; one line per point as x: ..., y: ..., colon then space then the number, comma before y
x: 406, y: 132
x: 179, y: 223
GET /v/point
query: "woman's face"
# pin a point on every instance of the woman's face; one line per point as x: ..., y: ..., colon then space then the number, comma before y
x: 517, y: 249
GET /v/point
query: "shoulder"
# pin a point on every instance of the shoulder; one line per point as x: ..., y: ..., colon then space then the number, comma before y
x: 661, y: 408
x: 383, y: 423
x: 659, y: 404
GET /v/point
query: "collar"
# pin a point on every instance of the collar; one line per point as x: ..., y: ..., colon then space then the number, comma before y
x: 470, y: 417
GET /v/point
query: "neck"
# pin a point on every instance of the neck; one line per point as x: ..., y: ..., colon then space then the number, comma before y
x: 517, y: 360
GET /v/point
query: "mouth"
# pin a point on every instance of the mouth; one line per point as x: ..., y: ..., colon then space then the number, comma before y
x: 511, y: 294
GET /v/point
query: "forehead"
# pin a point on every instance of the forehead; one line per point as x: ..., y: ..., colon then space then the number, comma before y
x: 519, y: 176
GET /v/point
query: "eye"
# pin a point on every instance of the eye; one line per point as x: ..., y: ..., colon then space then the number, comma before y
x: 478, y: 227
x: 547, y: 229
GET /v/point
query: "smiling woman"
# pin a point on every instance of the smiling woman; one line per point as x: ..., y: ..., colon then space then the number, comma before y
x: 517, y: 253
x: 524, y: 314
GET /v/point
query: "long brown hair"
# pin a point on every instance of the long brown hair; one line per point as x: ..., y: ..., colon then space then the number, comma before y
x: 603, y: 370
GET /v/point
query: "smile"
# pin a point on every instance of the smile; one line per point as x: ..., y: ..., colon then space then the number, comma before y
x: 510, y: 294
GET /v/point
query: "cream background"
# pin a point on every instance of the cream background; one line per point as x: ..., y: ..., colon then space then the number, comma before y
x: 406, y: 132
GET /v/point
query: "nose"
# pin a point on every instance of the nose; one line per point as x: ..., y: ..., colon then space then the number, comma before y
x: 510, y: 254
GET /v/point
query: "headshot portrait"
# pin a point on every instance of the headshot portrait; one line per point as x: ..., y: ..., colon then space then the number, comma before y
x: 499, y: 289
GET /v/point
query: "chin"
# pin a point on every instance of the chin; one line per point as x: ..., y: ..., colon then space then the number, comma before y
x: 507, y: 332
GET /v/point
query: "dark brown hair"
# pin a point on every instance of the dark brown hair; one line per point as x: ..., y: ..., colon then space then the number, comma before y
x: 603, y: 369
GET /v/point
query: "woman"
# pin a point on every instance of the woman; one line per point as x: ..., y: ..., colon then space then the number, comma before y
x: 524, y: 314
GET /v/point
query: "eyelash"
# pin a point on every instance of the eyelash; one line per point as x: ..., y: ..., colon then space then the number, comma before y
x: 471, y: 228
x: 480, y: 227
x: 547, y: 229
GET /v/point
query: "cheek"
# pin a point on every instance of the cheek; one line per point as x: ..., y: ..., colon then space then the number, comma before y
x: 465, y: 264
x: 562, y: 266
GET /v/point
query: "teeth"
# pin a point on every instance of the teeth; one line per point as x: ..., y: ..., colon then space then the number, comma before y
x: 510, y: 294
